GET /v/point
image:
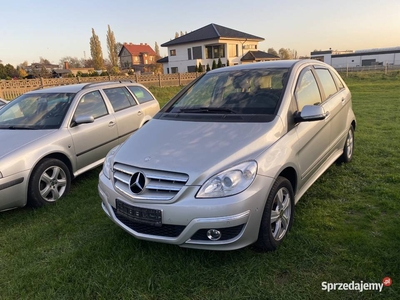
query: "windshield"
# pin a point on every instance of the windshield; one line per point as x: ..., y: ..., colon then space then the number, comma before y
x: 239, y: 92
x: 36, y: 111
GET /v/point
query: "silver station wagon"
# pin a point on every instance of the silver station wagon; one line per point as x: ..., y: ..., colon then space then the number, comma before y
x: 49, y: 136
x: 223, y: 164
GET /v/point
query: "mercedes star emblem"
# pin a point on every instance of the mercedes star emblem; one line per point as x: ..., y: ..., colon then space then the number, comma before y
x: 137, y: 182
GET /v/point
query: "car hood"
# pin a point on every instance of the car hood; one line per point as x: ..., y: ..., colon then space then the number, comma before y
x: 12, y: 140
x: 199, y: 149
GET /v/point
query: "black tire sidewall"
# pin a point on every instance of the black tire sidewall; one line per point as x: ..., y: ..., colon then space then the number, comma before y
x: 34, y: 198
x: 345, y: 158
x: 266, y: 241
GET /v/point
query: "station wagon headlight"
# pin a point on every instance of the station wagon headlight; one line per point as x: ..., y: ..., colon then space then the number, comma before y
x: 229, y: 182
x: 108, y: 162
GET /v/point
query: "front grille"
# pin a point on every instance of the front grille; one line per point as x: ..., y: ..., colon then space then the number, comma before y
x: 159, y: 186
x: 163, y: 230
x: 226, y: 233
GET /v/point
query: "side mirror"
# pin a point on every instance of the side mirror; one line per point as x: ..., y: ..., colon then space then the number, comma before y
x: 311, y: 113
x: 84, y: 119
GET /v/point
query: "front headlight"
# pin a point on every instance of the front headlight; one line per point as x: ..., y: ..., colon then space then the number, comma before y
x: 229, y: 182
x: 109, y: 161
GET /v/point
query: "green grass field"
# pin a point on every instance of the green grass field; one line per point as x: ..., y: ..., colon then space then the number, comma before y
x: 346, y: 228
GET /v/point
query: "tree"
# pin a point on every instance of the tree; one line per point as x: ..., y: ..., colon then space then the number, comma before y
x: 96, y: 52
x: 227, y: 62
x: 73, y: 62
x: 10, y: 71
x: 87, y: 63
x: 112, y: 48
x: 21, y: 72
x: 119, y: 47
x: 3, y: 72
x: 272, y: 51
x: 285, y: 54
x: 214, y: 64
x: 208, y: 68
x: 44, y: 61
x: 23, y: 65
x: 219, y: 64
x: 200, y: 68
x: 157, y: 50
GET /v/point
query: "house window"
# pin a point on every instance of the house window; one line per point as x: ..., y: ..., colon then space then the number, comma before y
x: 197, y: 53
x: 172, y: 52
x: 233, y: 50
x: 215, y: 51
x: 250, y: 46
x: 191, y: 69
x: 174, y: 70
x: 189, y: 54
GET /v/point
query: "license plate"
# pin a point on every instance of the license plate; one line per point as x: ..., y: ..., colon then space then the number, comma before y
x: 140, y: 214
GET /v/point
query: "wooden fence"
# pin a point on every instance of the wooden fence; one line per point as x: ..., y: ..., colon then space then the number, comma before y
x: 10, y: 89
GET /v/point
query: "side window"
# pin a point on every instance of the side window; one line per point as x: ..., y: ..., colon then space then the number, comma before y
x: 119, y: 98
x: 327, y: 82
x: 141, y: 94
x: 91, y: 104
x: 307, y: 92
x: 339, y: 82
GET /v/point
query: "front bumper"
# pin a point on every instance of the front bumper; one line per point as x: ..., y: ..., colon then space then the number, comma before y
x: 13, y: 190
x: 186, y: 221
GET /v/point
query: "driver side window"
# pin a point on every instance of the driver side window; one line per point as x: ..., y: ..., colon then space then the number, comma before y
x: 91, y: 104
x: 307, y: 91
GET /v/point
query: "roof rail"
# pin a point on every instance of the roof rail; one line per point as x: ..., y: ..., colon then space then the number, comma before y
x: 86, y: 86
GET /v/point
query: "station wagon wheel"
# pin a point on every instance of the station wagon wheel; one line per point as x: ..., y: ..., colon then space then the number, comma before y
x: 348, y: 146
x: 277, y: 216
x: 50, y: 181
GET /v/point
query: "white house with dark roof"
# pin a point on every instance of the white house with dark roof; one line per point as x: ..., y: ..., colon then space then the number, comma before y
x: 211, y: 42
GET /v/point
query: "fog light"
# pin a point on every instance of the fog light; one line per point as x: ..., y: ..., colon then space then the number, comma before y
x: 214, y: 234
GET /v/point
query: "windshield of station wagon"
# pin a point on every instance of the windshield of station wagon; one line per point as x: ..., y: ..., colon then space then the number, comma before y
x: 243, y: 92
x: 36, y: 111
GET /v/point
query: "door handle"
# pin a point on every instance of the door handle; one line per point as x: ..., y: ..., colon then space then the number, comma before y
x: 139, y: 113
x: 111, y: 124
x: 343, y: 100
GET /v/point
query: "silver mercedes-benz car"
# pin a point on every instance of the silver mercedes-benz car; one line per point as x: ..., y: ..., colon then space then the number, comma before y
x: 223, y: 164
x: 49, y: 136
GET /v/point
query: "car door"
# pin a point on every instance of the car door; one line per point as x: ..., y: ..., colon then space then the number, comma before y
x: 312, y: 146
x: 145, y: 99
x: 92, y: 141
x: 127, y: 112
x: 343, y: 106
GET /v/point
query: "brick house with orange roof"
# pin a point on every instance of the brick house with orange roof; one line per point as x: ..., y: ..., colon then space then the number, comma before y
x: 137, y: 57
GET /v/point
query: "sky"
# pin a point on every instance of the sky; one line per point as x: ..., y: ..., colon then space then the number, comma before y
x: 53, y: 29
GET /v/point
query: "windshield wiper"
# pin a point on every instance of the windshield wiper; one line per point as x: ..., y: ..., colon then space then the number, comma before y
x: 217, y: 110
x: 18, y: 127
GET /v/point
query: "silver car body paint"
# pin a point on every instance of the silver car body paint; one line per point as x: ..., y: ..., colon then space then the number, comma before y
x: 201, y: 149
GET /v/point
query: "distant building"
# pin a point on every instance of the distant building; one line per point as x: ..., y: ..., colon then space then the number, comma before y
x: 137, y: 57
x: 202, y: 46
x: 37, y: 67
x: 258, y: 56
x: 359, y: 58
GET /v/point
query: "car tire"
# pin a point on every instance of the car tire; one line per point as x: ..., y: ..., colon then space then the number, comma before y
x: 277, y: 217
x: 348, y: 148
x: 50, y: 180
